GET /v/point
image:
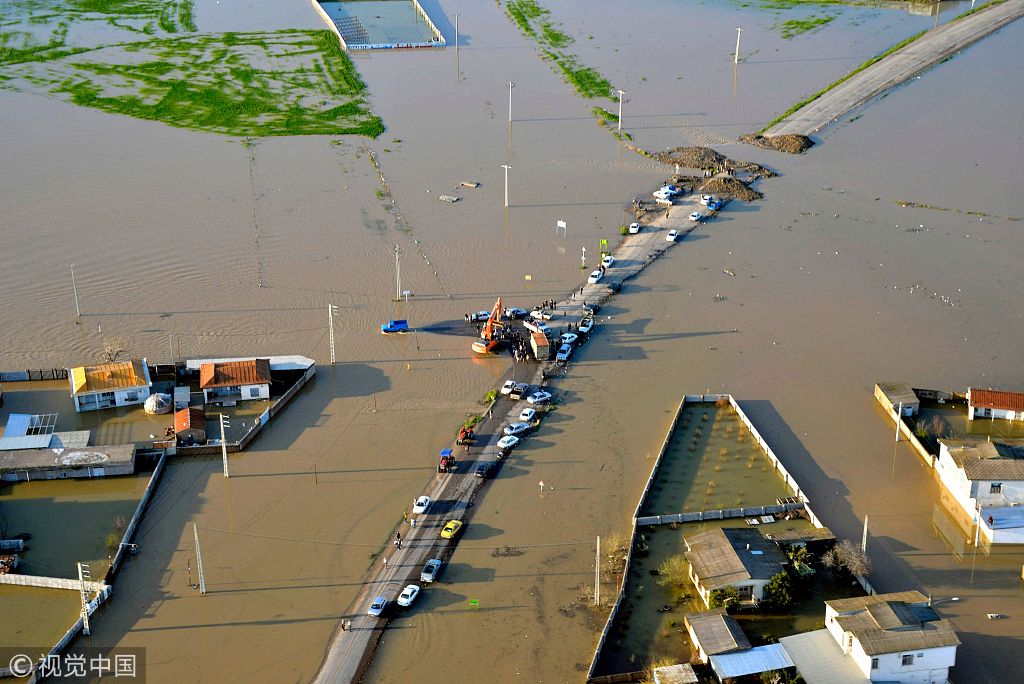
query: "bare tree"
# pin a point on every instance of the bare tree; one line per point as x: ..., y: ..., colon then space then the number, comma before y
x: 674, y: 571
x: 845, y: 555
x: 114, y: 348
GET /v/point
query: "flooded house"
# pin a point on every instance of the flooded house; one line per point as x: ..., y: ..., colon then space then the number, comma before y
x: 992, y: 404
x: 109, y: 385
x: 229, y: 382
x: 986, y: 478
x: 733, y: 557
x: 190, y: 426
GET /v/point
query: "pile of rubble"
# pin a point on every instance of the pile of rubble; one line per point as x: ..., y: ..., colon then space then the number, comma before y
x: 791, y: 143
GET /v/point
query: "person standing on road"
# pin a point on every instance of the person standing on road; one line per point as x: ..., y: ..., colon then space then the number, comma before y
x: 385, y: 563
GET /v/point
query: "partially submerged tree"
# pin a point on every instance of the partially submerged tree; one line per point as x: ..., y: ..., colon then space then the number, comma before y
x: 674, y: 571
x: 779, y: 591
x: 846, y: 556
x: 726, y: 597
x: 114, y: 348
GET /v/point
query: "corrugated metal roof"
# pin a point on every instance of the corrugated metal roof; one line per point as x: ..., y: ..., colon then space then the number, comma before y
x: 110, y: 376
x: 995, y: 399
x: 819, y: 660
x: 717, y: 632
x: 724, y: 556
x: 234, y: 373
x: 292, y: 362
x: 753, y: 661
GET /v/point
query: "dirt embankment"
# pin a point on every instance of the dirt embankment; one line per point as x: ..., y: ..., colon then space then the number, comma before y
x: 790, y: 143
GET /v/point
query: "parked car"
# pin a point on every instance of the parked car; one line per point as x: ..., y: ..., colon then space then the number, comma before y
x: 430, y: 570
x: 393, y: 326
x: 508, y: 442
x: 614, y: 286
x: 591, y: 309
x: 408, y: 595
x: 564, y: 352
x: 421, y: 505
x: 707, y: 199
x: 673, y: 189
x: 715, y: 205
x: 661, y: 193
x: 568, y: 338
x: 541, y: 397
x: 672, y: 235
x: 378, y: 607
x: 586, y: 325
x: 508, y: 386
x: 479, y: 316
x: 634, y: 228
x: 595, y: 277
x: 515, y: 313
x: 527, y: 415
x: 537, y: 326
x: 518, y: 391
x: 664, y: 201
x: 483, y: 470
x: 696, y: 217
x: 516, y: 428
x: 451, y: 529
x: 608, y: 261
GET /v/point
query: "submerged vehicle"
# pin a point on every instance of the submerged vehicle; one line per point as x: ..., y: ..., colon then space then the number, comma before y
x: 399, y: 326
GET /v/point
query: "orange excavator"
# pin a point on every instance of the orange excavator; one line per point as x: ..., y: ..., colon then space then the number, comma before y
x: 489, y: 341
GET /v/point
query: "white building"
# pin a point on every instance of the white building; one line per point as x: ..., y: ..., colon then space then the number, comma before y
x: 109, y: 385
x: 984, y: 403
x: 893, y: 637
x: 733, y: 557
x: 232, y: 381
x: 986, y: 478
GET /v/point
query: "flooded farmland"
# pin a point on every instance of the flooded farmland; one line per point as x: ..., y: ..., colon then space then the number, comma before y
x: 822, y: 305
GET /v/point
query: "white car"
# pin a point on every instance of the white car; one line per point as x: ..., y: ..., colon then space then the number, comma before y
x: 429, y: 572
x: 527, y: 415
x: 595, y: 277
x: 507, y: 387
x: 661, y: 193
x: 707, y: 199
x: 479, y: 316
x: 537, y: 326
x: 672, y: 235
x: 696, y: 217
x: 421, y: 505
x: 542, y: 314
x: 634, y: 228
x: 568, y: 338
x: 377, y: 607
x: 540, y: 397
x: 408, y: 595
x: 608, y: 261
x: 564, y: 352
x: 508, y: 442
x: 586, y: 325
x: 517, y: 428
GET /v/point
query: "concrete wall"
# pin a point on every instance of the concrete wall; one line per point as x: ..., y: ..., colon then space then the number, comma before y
x: 906, y: 431
x: 120, y: 399
x: 999, y: 414
x: 50, y: 582
x: 930, y: 666
x: 129, y: 531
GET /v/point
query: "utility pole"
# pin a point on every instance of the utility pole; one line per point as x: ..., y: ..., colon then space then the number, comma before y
x: 899, y: 417
x: 736, y: 58
x: 864, y: 539
x: 511, y: 85
x: 456, y: 31
x: 224, y: 444
x: 398, y: 273
x: 597, y: 574
x: 506, y: 167
x: 83, y: 576
x: 199, y: 560
x: 331, y: 310
x: 583, y: 259
x: 621, y: 93
x: 74, y: 286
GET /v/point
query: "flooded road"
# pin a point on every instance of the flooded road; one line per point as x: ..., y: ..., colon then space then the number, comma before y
x: 162, y: 225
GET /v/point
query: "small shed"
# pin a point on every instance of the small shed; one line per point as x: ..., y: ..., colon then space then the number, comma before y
x: 894, y: 395
x: 681, y: 673
x: 190, y: 426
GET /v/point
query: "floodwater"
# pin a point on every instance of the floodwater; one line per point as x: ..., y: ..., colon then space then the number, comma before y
x: 163, y: 225
x: 712, y: 463
x: 35, y: 617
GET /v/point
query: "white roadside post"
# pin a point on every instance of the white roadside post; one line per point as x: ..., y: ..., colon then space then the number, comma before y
x: 736, y: 57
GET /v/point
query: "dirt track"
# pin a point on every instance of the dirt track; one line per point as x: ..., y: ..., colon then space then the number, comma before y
x: 930, y: 49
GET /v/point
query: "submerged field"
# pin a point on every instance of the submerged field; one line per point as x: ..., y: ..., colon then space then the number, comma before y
x: 144, y: 59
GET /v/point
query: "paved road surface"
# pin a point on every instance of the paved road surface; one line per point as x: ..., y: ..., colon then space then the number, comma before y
x: 352, y: 649
x: 929, y: 49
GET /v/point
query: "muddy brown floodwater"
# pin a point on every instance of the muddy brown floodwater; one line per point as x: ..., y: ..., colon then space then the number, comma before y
x: 162, y: 226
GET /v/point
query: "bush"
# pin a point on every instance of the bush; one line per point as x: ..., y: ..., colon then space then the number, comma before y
x: 674, y: 571
x: 779, y: 591
x: 726, y: 597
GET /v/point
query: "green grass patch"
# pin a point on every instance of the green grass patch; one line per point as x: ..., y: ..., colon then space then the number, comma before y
x: 795, y: 27
x: 602, y: 113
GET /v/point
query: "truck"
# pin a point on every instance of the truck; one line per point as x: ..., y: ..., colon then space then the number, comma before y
x: 399, y: 326
x: 540, y: 345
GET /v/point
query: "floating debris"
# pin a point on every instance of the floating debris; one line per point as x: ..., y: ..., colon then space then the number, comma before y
x: 448, y: 198
x: 469, y: 184
x: 728, y: 271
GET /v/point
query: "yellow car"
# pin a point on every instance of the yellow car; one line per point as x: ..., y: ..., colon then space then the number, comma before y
x: 451, y: 529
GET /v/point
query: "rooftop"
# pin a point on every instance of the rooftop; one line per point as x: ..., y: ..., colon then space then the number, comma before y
x: 982, y: 459
x: 802, y: 536
x: 681, y: 673
x: 890, y: 623
x: 899, y: 393
x: 819, y: 659
x: 1003, y: 517
x: 189, y: 419
x: 109, y: 376
x: 751, y: 661
x: 233, y: 373
x: 995, y: 399
x: 65, y: 458
x: 721, y: 557
x: 717, y: 632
